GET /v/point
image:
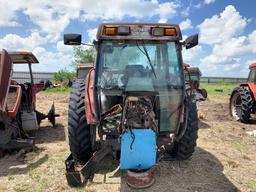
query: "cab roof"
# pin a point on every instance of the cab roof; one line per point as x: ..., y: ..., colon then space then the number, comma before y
x: 23, y: 57
x: 85, y: 65
x: 253, y: 65
x: 138, y: 31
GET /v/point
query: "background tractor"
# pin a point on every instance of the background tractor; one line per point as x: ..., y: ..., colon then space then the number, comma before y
x: 83, y: 69
x: 192, y: 78
x: 133, y: 104
x: 18, y: 114
x: 243, y: 98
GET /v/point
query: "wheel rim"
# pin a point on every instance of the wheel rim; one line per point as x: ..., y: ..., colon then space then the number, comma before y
x: 236, y: 106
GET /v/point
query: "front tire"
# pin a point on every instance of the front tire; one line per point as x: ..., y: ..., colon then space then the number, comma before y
x: 241, y: 104
x: 185, y: 147
x: 78, y: 130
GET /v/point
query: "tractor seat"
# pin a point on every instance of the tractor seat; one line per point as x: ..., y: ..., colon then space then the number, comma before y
x: 135, y: 71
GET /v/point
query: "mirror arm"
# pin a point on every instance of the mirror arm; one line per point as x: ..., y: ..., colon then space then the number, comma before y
x: 87, y: 44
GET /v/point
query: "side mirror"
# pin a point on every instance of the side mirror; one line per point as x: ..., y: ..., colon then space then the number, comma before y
x: 191, y: 41
x: 72, y: 39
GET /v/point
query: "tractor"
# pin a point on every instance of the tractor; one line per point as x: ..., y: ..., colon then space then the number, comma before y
x: 18, y: 114
x: 243, y: 98
x: 133, y: 104
x: 83, y: 69
x: 192, y: 78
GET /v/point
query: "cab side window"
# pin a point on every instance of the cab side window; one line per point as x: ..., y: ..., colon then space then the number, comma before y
x: 252, y: 76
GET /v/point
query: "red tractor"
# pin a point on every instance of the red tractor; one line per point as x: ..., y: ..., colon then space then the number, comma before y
x: 243, y: 98
x: 133, y: 104
x: 18, y: 114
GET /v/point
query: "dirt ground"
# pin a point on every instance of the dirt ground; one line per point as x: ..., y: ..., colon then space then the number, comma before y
x: 225, y: 159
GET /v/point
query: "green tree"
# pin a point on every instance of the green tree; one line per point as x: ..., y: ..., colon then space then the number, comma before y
x: 84, y: 55
x: 63, y: 75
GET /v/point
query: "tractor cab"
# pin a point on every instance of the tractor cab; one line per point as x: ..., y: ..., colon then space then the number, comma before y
x: 252, y: 74
x: 135, y: 97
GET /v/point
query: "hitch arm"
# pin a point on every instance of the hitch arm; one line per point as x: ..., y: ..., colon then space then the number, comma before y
x: 87, y: 171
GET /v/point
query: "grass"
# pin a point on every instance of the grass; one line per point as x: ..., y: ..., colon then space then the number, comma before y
x: 241, y: 146
x: 57, y: 90
x: 252, y: 185
x: 218, y: 89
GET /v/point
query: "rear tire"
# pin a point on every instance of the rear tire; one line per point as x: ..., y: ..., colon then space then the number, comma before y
x: 203, y: 93
x: 185, y: 147
x: 78, y: 130
x: 241, y: 104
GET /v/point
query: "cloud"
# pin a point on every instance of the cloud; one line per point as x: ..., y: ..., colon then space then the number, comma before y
x: 15, y: 42
x: 131, y: 8
x: 186, y: 24
x: 8, y: 13
x: 189, y: 55
x: 63, y: 48
x: 162, y: 21
x: 48, y: 61
x: 229, y: 48
x: 92, y: 34
x: 208, y: 1
x: 223, y: 27
x: 229, y: 53
x: 52, y: 17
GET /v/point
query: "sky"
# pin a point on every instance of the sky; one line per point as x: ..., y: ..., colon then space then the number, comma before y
x: 227, y: 29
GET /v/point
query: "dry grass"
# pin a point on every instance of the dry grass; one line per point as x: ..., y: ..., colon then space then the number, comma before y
x: 224, y: 159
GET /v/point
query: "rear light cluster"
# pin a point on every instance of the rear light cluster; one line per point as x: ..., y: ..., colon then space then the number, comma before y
x: 121, y: 30
x: 155, y: 31
x: 159, y: 31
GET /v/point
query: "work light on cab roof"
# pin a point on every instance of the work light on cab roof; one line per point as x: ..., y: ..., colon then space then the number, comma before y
x: 146, y: 31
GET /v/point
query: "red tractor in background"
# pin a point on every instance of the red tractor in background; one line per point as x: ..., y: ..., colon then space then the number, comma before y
x: 83, y: 69
x: 243, y: 98
x: 18, y: 114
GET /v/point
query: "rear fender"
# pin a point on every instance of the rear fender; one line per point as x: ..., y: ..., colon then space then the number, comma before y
x: 89, y: 98
x: 5, y: 78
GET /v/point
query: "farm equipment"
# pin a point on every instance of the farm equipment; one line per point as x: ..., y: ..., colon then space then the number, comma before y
x: 83, y: 69
x: 18, y: 114
x: 192, y: 78
x: 134, y: 100
x: 243, y: 98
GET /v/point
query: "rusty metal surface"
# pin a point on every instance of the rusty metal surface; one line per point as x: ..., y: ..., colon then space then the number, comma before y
x: 89, y: 99
x: 140, y: 180
x: 252, y: 65
x: 78, y: 175
x: 139, y: 31
x: 13, y: 100
x: 85, y: 65
x: 193, y: 71
x: 18, y: 58
x: 5, y: 78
